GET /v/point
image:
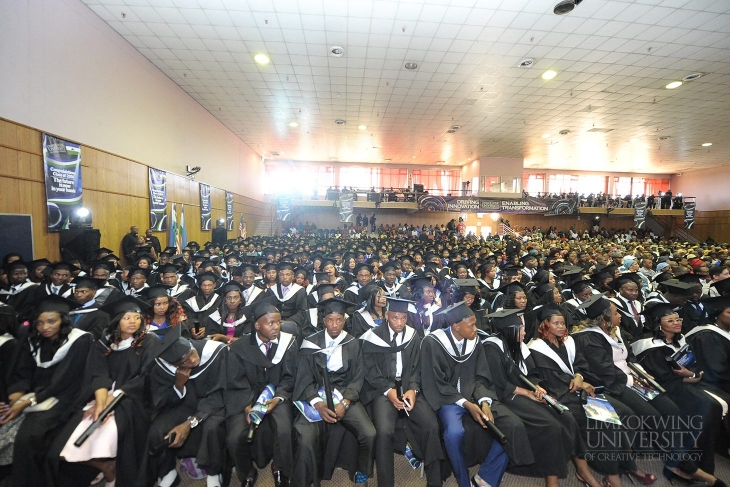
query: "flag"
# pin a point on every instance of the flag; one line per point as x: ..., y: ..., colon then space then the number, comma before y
x: 242, y: 227
x: 174, y: 230
x: 183, y: 229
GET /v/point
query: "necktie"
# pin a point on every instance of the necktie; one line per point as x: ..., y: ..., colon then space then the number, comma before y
x: 267, y: 346
x: 54, y: 289
x: 329, y: 356
x: 284, y: 291
x: 77, y: 317
x: 637, y: 318
x: 394, y: 356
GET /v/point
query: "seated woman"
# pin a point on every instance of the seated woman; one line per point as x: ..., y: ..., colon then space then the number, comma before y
x: 424, y: 294
x: 117, y: 363
x: 559, y: 369
x: 711, y: 344
x: 163, y: 313
x: 554, y: 439
x: 229, y: 321
x: 43, y: 386
x: 370, y: 315
x: 683, y: 386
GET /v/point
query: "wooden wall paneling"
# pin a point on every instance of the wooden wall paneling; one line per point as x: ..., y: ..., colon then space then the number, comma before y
x: 29, y: 140
x: 8, y: 162
x: 8, y: 134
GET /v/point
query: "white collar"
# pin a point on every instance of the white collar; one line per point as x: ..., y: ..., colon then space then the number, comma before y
x: 62, y: 351
x: 539, y: 345
x: 524, y: 349
x: 210, y: 350
x: 614, y: 343
x: 122, y: 345
x: 6, y: 338
x: 714, y: 328
x: 644, y: 344
x: 442, y: 338
x: 193, y: 303
x: 366, y: 316
x: 216, y: 316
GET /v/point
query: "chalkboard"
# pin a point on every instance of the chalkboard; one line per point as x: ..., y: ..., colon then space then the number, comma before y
x: 16, y: 235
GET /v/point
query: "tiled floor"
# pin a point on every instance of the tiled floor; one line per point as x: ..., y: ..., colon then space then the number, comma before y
x: 405, y: 476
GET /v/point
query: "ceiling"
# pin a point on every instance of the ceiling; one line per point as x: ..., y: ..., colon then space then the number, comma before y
x: 612, y: 58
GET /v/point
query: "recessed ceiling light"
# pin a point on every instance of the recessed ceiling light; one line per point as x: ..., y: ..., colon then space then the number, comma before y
x: 673, y: 84
x: 548, y: 75
x: 339, y: 121
x: 707, y: 144
x: 545, y: 136
x: 388, y: 160
x: 413, y: 157
x: 692, y: 77
x: 411, y: 65
x: 362, y: 127
x: 293, y: 124
x: 261, y: 58
x: 526, y: 63
x: 337, y: 51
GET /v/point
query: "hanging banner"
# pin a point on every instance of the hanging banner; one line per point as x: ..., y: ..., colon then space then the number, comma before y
x: 242, y: 227
x: 640, y: 214
x: 283, y: 208
x: 229, y: 211
x: 205, y: 213
x: 183, y: 229
x: 526, y: 205
x: 174, y: 240
x: 158, y: 200
x: 689, y: 214
x: 346, y: 199
x: 62, y: 170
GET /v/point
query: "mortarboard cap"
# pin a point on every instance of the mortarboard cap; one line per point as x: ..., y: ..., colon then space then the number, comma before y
x: 173, y: 347
x: 506, y: 318
x: 595, y: 305
x: 336, y: 305
x: 88, y: 282
x: 467, y: 285
x: 206, y: 276
x: 722, y: 287
x: 103, y: 250
x: 138, y: 270
x: 455, y: 313
x: 54, y: 303
x: 548, y: 310
x: 156, y: 291
x: 230, y: 286
x: 124, y: 304
x: 399, y: 305
x: 675, y: 286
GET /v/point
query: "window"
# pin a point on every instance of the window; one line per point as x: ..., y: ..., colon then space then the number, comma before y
x: 562, y: 183
x: 588, y: 184
x: 438, y: 182
x: 297, y: 179
x: 621, y: 186
x: 653, y: 186
x: 364, y: 178
x: 638, y: 186
x: 535, y: 183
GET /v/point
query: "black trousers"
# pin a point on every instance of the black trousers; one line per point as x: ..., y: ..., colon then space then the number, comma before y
x: 311, y: 440
x: 425, y: 428
x: 206, y: 442
x: 274, y: 434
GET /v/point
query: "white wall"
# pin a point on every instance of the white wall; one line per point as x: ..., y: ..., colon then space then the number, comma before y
x: 63, y: 70
x: 707, y: 185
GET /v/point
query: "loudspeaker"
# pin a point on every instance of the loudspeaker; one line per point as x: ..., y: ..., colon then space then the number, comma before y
x: 418, y: 188
x: 79, y: 243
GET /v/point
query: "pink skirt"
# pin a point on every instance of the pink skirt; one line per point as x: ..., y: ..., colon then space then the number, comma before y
x: 101, y: 444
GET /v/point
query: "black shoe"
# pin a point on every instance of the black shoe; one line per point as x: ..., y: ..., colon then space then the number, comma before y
x: 671, y: 476
x: 251, y: 480
x: 280, y: 479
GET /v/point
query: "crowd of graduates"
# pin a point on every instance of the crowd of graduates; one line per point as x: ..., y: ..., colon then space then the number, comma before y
x: 305, y: 354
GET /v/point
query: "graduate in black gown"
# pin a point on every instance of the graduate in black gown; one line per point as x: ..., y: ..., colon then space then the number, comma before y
x: 391, y: 357
x: 424, y: 294
x: 179, y: 289
x: 330, y: 361
x: 165, y: 313
x: 21, y: 291
x: 554, y: 438
x: 293, y: 298
x: 43, y: 387
x: 229, y: 322
x: 684, y: 386
x: 187, y: 380
x: 117, y: 363
x: 206, y: 300
x: 711, y: 344
x: 87, y: 317
x: 371, y: 314
x: 265, y: 358
x: 559, y: 368
x: 455, y: 379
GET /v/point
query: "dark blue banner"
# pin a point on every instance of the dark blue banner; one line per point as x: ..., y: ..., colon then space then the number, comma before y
x: 62, y: 169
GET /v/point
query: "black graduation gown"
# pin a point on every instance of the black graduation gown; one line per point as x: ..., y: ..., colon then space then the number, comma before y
x: 441, y: 371
x: 214, y: 324
x: 249, y: 371
x: 60, y: 379
x: 126, y: 370
x: 198, y: 307
x: 182, y: 292
x: 691, y: 398
x: 22, y: 300
x: 90, y: 319
x: 693, y: 314
x: 361, y: 322
x: 551, y: 376
x: 711, y: 346
x: 293, y: 307
x: 419, y: 428
x: 425, y: 319
x: 8, y: 353
x: 65, y: 291
x: 203, y: 399
x: 336, y: 446
x: 554, y: 439
x: 107, y: 294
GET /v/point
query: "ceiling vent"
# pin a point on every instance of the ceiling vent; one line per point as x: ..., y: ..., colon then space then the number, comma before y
x: 603, y: 131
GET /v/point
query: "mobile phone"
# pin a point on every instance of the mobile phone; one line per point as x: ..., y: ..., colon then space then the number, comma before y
x: 161, y: 446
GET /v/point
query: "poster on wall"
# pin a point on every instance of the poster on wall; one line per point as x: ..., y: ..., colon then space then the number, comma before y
x: 526, y: 205
x: 205, y: 212
x: 229, y: 211
x: 640, y: 214
x: 283, y: 208
x: 158, y: 200
x: 62, y: 170
x: 346, y: 199
x: 689, y: 214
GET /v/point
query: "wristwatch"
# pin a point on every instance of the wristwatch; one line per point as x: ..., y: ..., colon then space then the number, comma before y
x: 347, y: 405
x: 193, y: 421
x: 33, y: 401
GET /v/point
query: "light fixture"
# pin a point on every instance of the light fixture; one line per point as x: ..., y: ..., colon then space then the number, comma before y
x: 526, y: 63
x: 388, y: 160
x: 692, y: 77
x: 545, y: 136
x: 339, y: 121
x: 565, y: 6
x: 413, y: 157
x: 707, y: 144
x: 549, y: 74
x: 411, y: 65
x: 673, y: 84
x: 261, y: 58
x: 337, y: 51
x: 293, y: 124
x: 82, y: 212
x: 362, y: 127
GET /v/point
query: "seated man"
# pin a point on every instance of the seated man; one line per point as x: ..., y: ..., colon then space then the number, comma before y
x: 330, y: 361
x: 88, y: 317
x: 187, y: 382
x: 455, y: 379
x: 263, y: 359
x: 391, y: 357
